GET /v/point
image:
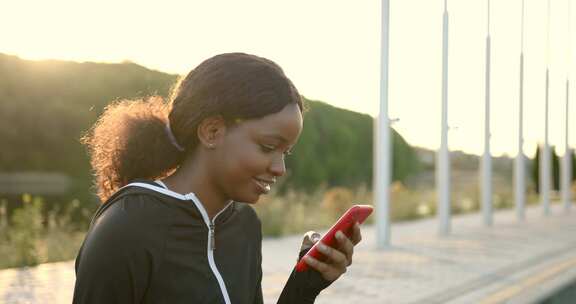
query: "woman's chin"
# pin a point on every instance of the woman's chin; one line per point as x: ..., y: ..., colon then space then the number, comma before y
x: 251, y: 198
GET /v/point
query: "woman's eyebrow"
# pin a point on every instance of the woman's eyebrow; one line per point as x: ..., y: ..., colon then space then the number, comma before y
x: 276, y: 136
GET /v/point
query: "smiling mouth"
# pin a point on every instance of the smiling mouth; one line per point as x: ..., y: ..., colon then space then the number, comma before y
x: 262, y: 185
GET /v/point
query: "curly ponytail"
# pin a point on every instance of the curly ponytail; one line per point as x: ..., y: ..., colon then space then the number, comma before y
x: 130, y: 141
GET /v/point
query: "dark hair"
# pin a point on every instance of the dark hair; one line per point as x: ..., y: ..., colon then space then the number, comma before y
x: 130, y: 140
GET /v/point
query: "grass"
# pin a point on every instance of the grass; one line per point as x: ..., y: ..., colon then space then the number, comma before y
x: 296, y: 213
x: 34, y: 237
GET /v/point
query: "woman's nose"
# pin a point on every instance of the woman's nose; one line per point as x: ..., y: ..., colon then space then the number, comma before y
x: 278, y: 168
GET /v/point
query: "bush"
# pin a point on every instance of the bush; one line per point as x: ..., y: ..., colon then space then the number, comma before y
x: 32, y: 238
x: 26, y: 231
x: 337, y: 200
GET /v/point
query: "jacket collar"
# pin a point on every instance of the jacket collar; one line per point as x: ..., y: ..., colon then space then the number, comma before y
x: 159, y: 189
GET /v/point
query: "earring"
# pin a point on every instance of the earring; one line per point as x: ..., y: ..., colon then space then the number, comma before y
x: 210, y: 146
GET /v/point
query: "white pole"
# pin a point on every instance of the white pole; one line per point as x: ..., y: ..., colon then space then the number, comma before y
x: 486, y: 157
x: 567, y: 161
x: 545, y: 159
x: 383, y: 151
x: 443, y: 167
x: 520, y: 176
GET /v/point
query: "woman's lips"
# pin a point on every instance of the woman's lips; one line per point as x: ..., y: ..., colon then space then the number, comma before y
x: 263, y: 186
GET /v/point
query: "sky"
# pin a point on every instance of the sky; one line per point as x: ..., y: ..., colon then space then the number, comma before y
x: 331, y: 51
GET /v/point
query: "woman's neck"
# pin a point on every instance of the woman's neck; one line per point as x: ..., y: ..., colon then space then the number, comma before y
x: 195, y: 178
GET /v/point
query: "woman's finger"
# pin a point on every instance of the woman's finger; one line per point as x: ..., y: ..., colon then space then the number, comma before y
x: 356, y: 234
x: 316, y: 264
x: 346, y: 246
x: 334, y: 255
x: 328, y: 271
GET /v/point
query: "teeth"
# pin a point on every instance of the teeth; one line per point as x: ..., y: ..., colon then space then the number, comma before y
x: 264, y: 185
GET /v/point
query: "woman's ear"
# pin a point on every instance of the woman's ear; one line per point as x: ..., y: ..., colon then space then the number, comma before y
x: 211, y: 131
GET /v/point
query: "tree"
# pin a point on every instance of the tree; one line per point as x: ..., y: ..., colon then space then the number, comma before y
x: 336, y: 149
x: 555, y: 169
x: 535, y: 170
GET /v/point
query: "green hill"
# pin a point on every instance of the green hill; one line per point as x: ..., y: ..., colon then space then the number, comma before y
x: 46, y: 106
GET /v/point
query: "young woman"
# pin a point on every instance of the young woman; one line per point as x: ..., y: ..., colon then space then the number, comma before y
x: 177, y: 180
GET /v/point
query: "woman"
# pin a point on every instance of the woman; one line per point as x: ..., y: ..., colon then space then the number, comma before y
x: 177, y: 181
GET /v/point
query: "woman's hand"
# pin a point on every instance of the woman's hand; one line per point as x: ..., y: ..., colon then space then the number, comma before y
x: 338, y: 258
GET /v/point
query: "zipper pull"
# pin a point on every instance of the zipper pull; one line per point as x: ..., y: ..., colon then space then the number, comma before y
x: 212, y: 237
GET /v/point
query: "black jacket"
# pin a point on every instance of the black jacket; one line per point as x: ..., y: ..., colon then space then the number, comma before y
x: 148, y: 244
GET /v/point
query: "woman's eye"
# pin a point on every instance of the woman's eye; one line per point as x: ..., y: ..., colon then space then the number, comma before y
x: 269, y: 149
x: 266, y: 148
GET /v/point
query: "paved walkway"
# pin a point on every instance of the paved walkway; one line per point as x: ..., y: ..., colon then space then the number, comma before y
x: 511, y: 262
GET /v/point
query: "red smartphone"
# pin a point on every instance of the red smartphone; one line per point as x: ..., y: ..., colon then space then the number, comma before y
x: 356, y: 213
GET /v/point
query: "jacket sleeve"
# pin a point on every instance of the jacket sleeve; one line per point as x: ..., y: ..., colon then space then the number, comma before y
x: 303, y: 287
x: 259, y: 298
x: 120, y: 253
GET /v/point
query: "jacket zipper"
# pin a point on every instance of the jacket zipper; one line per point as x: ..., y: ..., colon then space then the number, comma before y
x: 212, y: 243
x: 212, y: 236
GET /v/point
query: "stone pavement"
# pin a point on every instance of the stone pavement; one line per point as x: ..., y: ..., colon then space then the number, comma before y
x: 510, y: 262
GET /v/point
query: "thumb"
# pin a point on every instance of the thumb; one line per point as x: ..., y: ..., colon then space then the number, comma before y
x: 310, y: 238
